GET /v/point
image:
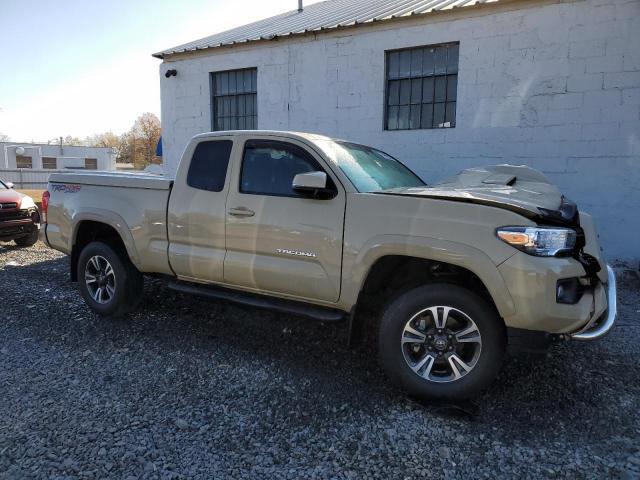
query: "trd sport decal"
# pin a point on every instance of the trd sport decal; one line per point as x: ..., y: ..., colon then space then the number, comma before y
x: 66, y: 187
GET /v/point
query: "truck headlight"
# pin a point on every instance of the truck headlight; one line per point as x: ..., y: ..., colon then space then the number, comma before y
x: 539, y: 241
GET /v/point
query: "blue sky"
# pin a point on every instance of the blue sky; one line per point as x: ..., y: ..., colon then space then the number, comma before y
x: 72, y: 67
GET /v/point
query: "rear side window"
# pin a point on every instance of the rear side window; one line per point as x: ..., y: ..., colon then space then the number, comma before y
x: 208, y: 168
x: 268, y: 167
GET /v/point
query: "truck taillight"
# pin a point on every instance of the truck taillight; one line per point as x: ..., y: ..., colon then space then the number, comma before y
x: 45, y: 205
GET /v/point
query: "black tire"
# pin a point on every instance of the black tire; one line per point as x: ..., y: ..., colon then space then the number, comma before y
x: 28, y: 241
x: 128, y: 283
x: 392, y: 353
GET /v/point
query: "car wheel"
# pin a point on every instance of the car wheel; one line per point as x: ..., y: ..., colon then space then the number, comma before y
x: 441, y: 341
x: 108, y: 281
x: 27, y: 241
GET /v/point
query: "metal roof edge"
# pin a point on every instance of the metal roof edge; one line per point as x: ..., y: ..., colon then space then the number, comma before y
x: 471, y: 5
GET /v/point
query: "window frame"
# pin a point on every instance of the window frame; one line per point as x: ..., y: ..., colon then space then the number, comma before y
x: 30, y: 167
x: 422, y: 77
x: 227, y: 168
x: 86, y: 163
x: 55, y: 162
x: 266, y: 143
x: 213, y: 97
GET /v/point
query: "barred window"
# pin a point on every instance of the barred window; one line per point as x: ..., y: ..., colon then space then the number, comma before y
x: 421, y: 88
x: 49, y: 163
x: 23, y: 162
x: 234, y: 99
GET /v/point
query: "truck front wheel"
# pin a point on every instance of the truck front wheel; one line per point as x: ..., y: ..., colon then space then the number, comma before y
x: 441, y: 341
x: 108, y: 281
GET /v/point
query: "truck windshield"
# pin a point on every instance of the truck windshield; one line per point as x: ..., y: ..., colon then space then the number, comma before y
x: 369, y: 170
x: 3, y: 186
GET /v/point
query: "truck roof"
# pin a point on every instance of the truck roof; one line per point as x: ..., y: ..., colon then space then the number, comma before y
x: 275, y: 133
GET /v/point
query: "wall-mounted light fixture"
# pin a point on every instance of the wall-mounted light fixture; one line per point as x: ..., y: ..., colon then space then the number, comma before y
x: 170, y: 73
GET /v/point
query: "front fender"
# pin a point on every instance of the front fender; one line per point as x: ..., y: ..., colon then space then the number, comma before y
x: 427, y: 248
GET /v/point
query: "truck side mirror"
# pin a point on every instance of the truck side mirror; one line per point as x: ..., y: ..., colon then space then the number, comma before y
x: 9, y: 184
x: 313, y: 184
x: 310, y: 181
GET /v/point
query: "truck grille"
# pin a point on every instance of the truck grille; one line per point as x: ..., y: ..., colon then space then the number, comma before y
x: 8, y: 206
x: 6, y: 215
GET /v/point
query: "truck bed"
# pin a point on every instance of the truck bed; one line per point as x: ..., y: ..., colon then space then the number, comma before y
x: 134, y: 204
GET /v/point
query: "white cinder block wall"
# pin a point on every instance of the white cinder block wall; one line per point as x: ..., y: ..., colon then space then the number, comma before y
x: 552, y: 85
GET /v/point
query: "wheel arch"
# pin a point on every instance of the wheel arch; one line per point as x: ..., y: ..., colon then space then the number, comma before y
x: 382, y: 272
x: 90, y: 228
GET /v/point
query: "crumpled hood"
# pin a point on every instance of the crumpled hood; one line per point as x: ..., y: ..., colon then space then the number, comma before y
x: 517, y: 188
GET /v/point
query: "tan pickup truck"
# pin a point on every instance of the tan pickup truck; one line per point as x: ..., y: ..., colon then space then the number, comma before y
x: 444, y: 275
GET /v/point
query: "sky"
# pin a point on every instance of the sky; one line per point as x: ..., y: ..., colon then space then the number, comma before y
x: 78, y: 67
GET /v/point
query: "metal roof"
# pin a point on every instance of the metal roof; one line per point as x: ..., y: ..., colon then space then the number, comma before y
x: 327, y: 15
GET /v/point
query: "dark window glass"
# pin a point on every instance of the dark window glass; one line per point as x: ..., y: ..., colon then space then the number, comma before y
x: 393, y: 97
x: 392, y: 118
x: 49, y: 163
x: 268, y: 167
x: 405, y: 63
x: 427, y: 90
x: 427, y: 116
x: 452, y: 59
x: 234, y: 99
x: 208, y: 168
x: 441, y: 60
x: 441, y: 89
x: 394, y: 64
x: 414, y: 117
x: 416, y: 90
x: 403, y: 117
x: 438, y: 114
x: 450, y: 113
x: 405, y: 92
x: 428, y: 61
x: 422, y: 86
x: 452, y: 87
x: 416, y: 62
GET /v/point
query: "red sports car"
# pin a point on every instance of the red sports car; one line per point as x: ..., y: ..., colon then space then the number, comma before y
x: 19, y: 217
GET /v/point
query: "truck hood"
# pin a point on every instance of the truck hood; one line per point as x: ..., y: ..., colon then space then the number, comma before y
x: 517, y: 188
x: 10, y: 196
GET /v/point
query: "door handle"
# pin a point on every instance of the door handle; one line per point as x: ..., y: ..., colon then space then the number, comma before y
x: 242, y: 212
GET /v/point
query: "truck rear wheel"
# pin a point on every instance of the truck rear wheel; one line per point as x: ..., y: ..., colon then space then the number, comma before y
x: 108, y: 281
x: 441, y: 341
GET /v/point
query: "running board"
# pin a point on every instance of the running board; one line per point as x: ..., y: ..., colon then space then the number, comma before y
x: 260, y: 301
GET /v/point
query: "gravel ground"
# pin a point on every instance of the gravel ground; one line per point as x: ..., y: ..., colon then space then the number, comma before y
x: 190, y: 388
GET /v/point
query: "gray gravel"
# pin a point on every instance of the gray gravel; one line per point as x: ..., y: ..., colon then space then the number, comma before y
x: 189, y: 388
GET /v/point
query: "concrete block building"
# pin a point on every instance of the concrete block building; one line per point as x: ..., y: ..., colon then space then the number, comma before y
x: 442, y: 85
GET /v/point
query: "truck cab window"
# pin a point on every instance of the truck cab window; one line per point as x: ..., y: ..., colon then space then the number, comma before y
x: 268, y: 167
x: 208, y: 168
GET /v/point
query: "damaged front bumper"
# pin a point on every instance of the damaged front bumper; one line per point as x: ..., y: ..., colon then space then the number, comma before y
x: 601, y: 323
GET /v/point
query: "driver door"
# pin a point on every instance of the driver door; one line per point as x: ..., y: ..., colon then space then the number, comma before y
x: 278, y: 240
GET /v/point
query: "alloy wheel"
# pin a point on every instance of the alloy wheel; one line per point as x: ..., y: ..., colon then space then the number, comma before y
x: 441, y: 344
x: 100, y: 279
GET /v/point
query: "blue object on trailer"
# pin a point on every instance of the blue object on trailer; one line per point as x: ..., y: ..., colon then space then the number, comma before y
x: 159, y: 148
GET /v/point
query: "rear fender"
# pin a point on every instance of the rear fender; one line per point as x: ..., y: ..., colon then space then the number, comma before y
x: 111, y: 219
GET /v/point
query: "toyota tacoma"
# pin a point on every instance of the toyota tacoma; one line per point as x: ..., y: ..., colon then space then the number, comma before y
x: 445, y: 276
